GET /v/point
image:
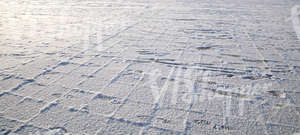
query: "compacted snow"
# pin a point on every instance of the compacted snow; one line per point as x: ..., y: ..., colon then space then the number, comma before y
x: 149, y: 67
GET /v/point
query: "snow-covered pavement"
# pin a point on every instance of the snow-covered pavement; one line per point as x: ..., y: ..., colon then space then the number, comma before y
x: 149, y: 67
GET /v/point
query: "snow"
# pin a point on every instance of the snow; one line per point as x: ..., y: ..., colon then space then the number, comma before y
x: 149, y: 67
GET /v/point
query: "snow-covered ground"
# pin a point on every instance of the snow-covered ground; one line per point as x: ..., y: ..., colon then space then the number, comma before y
x: 149, y: 67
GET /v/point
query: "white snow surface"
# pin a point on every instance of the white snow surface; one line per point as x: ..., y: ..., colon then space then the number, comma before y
x: 142, y: 67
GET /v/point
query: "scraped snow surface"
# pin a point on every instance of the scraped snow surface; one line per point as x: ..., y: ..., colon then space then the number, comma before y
x: 149, y: 67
